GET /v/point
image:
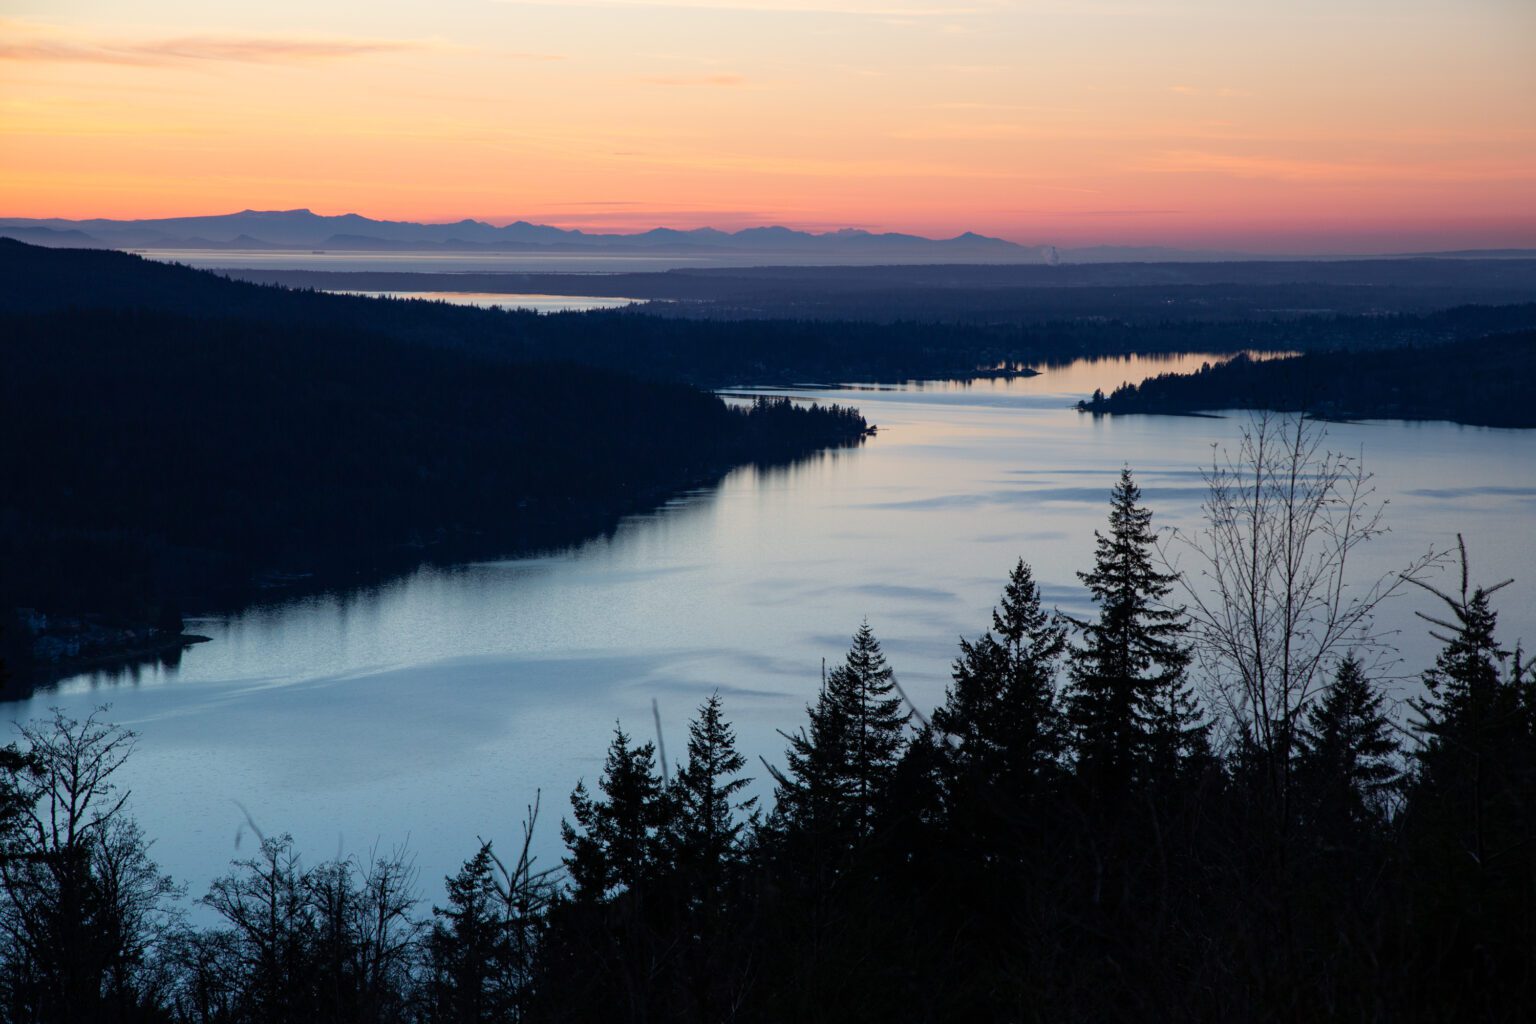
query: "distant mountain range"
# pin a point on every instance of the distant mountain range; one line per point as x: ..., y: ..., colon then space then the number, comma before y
x: 302, y: 229
x: 286, y: 230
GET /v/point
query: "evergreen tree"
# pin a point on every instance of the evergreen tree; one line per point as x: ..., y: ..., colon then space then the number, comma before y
x: 467, y: 946
x: 1477, y: 760
x: 1471, y: 812
x: 706, y: 830
x: 811, y: 798
x: 864, y: 685
x: 839, y: 768
x: 1347, y: 759
x: 1133, y: 712
x: 616, y: 845
x: 1001, y: 712
x: 1466, y: 700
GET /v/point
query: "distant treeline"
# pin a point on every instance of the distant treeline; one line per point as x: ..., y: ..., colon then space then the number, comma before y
x: 893, y: 334
x: 1016, y: 293
x: 1077, y: 833
x: 153, y: 461
x: 769, y: 351
x: 1487, y: 382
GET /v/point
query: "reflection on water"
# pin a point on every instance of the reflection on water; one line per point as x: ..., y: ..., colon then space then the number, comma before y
x: 435, y: 706
x: 1080, y: 376
x: 500, y: 300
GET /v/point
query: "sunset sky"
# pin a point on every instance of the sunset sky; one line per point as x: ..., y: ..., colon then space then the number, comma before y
x: 1317, y: 125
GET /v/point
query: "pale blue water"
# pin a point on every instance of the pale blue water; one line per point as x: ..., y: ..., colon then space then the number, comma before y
x: 432, y: 708
x: 501, y: 300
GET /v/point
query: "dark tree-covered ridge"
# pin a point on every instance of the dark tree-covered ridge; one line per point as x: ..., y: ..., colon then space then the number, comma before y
x: 1484, y: 381
x: 155, y: 462
x: 896, y: 334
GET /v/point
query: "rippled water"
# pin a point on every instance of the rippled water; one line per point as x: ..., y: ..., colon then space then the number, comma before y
x: 434, y: 707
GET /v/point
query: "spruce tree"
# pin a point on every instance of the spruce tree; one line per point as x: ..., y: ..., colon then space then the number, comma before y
x: 864, y: 685
x: 1001, y: 712
x: 468, y: 947
x: 1132, y: 710
x: 1347, y: 762
x: 839, y: 767
x: 1471, y: 812
x: 706, y: 828
x: 1477, y: 759
x: 613, y: 845
x: 811, y: 797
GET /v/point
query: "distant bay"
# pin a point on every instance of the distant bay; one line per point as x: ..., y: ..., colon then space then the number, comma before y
x: 496, y: 300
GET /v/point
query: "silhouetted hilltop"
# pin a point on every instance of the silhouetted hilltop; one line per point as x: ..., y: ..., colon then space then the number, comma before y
x: 1486, y: 382
x: 36, y: 279
x: 165, y: 451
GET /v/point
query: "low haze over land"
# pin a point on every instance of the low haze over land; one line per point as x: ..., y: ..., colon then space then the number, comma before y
x: 1369, y: 127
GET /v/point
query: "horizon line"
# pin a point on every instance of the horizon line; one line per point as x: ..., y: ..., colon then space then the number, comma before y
x: 817, y: 231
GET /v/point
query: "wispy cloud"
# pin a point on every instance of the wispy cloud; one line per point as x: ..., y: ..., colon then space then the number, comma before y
x: 46, y: 45
x: 983, y: 106
x: 1225, y: 91
x: 973, y: 69
x: 708, y: 80
x: 1115, y: 213
x: 876, y: 8
x: 1316, y: 170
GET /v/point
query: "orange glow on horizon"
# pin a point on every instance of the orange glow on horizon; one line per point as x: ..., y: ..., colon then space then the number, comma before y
x: 1220, y: 125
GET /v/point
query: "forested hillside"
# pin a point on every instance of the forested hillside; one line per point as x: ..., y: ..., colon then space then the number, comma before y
x: 1487, y: 382
x: 155, y: 461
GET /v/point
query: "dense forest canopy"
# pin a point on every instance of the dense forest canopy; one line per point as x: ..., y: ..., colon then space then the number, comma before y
x: 1486, y: 381
x: 808, y: 326
x: 156, y: 460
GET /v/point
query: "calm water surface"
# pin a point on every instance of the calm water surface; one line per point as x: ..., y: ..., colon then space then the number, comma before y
x: 431, y: 709
x: 507, y: 300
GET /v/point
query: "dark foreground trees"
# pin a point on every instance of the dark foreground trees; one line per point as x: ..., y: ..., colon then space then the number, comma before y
x: 1470, y: 822
x: 1066, y: 838
x: 1131, y: 704
x: 86, y: 917
x: 338, y: 941
x: 1062, y: 839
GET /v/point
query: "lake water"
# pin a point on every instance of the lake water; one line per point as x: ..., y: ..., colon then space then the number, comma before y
x: 431, y: 709
x: 501, y: 300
